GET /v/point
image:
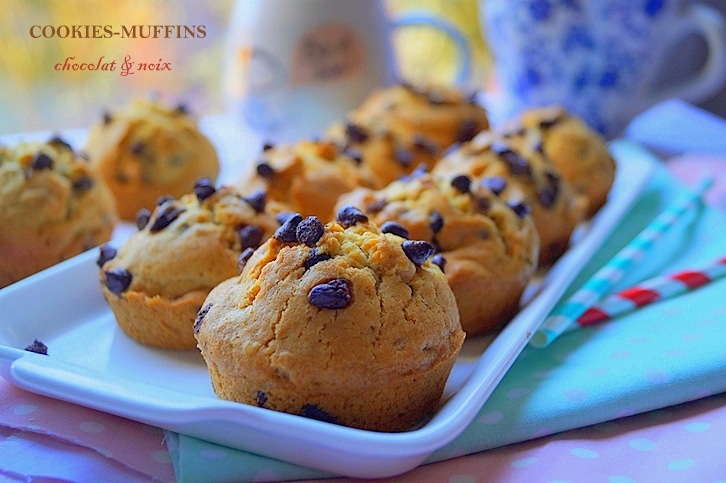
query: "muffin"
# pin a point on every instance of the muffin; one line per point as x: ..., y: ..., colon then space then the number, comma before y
x: 521, y: 174
x: 304, y: 177
x: 148, y: 150
x: 157, y: 280
x: 339, y: 322
x: 53, y: 205
x: 488, y: 249
x: 400, y: 127
x: 579, y: 153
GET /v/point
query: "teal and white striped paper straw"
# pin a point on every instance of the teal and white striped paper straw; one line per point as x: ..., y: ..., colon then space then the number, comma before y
x: 600, y: 284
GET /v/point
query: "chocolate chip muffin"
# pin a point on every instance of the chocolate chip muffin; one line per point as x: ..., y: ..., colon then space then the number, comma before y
x: 156, y: 282
x: 487, y: 248
x: 148, y: 150
x: 305, y: 177
x: 339, y: 322
x: 53, y: 205
x: 398, y: 128
x: 521, y: 174
x: 580, y: 154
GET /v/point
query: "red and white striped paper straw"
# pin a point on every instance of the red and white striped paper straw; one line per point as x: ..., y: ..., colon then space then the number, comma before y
x: 650, y: 291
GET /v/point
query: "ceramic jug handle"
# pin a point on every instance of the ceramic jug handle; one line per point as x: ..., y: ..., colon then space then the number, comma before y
x: 421, y: 18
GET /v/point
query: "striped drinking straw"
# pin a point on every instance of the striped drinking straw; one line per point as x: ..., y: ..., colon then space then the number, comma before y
x: 612, y: 272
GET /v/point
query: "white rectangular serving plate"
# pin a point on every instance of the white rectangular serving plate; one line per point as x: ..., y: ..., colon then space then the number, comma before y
x: 91, y: 362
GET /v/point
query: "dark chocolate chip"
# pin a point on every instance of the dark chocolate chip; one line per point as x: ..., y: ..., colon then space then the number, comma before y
x: 395, y: 229
x: 547, y: 196
x: 250, y: 236
x: 58, y: 141
x: 334, y: 294
x: 107, y: 117
x: 356, y: 133
x: 265, y: 170
x: 286, y: 233
x: 204, y: 188
x: 462, y: 183
x: 200, y: 317
x: 376, y: 205
x: 350, y: 215
x: 38, y: 347
x: 164, y: 217
x: 309, y: 231
x: 267, y: 145
x: 142, y: 218
x: 137, y: 148
x: 283, y: 216
x: 466, y: 131
x: 261, y: 398
x: 404, y: 157
x: 439, y: 260
x: 315, y: 257
x: 84, y: 183
x: 495, y: 184
x: 244, y: 257
x: 482, y: 204
x: 520, y: 208
x: 182, y: 109
x: 42, y: 161
x: 418, y: 251
x: 105, y: 253
x: 117, y: 280
x: 257, y: 201
x: 312, y: 411
x: 548, y: 123
x: 163, y: 199
x: 516, y: 163
x: 436, y: 221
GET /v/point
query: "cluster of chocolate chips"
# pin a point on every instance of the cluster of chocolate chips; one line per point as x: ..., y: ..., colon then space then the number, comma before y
x: 42, y: 161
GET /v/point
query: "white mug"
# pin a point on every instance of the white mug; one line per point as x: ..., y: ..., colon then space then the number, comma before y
x: 292, y: 67
x: 604, y: 60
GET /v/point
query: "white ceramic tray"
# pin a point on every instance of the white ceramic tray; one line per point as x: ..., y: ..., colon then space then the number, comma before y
x: 92, y: 363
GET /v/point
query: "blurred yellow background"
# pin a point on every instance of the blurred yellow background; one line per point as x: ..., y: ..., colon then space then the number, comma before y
x: 33, y: 96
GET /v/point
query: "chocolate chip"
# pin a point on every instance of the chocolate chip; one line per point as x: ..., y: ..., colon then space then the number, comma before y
x: 286, y: 233
x: 38, y: 347
x: 84, y: 183
x: 283, y: 216
x: 316, y: 256
x: 142, y: 218
x: 495, y: 184
x: 181, y: 108
x: 250, y: 236
x: 200, y: 317
x: 425, y: 144
x: 58, y: 141
x: 549, y: 122
x: 265, y: 170
x: 105, y: 253
x: 261, y: 398
x: 418, y: 251
x: 376, y: 205
x: 244, y: 257
x: 395, y: 229
x: 451, y: 149
x: 516, y: 163
x: 163, y: 199
x: 334, y: 294
x: 482, y: 204
x: 354, y: 154
x: 350, y: 215
x: 42, y: 161
x: 257, y: 201
x: 404, y: 157
x: 439, y: 260
x: 309, y: 231
x: 164, y: 217
x: 267, y: 145
x: 520, y: 208
x: 117, y: 280
x: 137, y: 148
x: 204, y: 188
x: 547, y: 196
x: 466, y: 131
x: 462, y: 183
x: 436, y: 221
x: 356, y: 133
x: 312, y: 411
x: 107, y: 117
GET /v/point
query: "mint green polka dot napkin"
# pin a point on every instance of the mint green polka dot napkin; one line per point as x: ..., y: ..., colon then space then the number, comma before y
x: 660, y: 355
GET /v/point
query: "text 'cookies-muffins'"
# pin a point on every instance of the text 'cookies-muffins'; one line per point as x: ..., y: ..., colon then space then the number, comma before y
x: 148, y: 150
x: 488, y: 248
x: 53, y: 205
x: 157, y: 280
x: 339, y: 322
